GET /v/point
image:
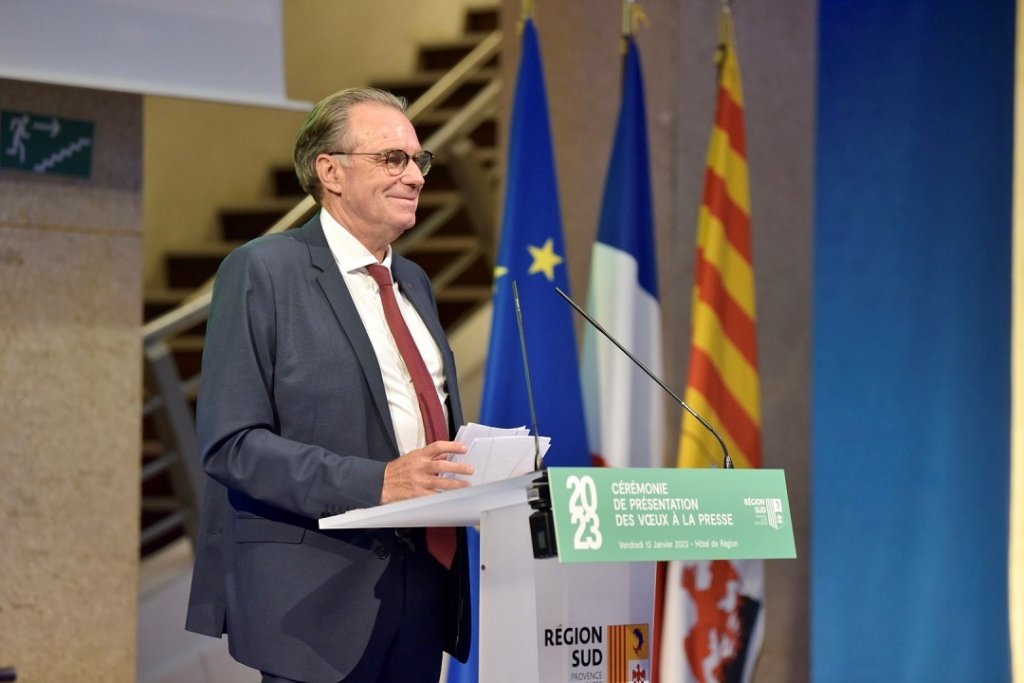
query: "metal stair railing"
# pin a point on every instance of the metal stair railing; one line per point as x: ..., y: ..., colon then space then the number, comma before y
x: 169, y: 400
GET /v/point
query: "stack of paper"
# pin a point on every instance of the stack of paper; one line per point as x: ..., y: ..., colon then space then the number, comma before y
x: 497, y: 453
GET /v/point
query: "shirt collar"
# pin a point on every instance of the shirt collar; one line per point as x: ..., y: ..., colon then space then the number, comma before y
x: 349, y: 253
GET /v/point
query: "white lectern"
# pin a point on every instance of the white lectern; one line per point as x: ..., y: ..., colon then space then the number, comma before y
x: 540, y: 620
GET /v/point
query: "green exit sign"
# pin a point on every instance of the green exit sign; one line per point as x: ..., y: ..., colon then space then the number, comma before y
x: 41, y: 143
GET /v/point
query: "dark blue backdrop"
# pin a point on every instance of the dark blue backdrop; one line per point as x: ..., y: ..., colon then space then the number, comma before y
x: 912, y: 341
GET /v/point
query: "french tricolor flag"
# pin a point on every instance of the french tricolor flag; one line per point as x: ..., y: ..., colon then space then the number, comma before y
x: 624, y: 408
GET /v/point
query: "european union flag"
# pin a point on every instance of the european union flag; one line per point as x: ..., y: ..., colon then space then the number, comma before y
x: 532, y: 253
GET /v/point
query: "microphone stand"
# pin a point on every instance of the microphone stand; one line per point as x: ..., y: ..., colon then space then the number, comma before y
x: 726, y: 458
x: 542, y: 520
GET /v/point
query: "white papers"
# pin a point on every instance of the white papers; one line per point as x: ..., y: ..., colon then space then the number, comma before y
x: 497, y: 453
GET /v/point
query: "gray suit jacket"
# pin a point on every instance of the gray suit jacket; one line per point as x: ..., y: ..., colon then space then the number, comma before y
x: 293, y: 425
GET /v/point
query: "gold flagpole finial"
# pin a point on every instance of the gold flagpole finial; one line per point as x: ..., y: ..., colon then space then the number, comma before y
x: 627, y: 24
x: 525, y: 14
x: 632, y: 16
x: 724, y: 32
x: 527, y: 10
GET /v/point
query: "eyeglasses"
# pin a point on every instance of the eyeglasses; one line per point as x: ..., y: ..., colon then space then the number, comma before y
x: 395, y: 160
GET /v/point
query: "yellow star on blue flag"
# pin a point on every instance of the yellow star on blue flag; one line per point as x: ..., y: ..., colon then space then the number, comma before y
x: 544, y: 259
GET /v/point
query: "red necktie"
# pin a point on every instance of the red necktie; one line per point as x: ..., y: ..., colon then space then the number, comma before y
x: 440, y: 540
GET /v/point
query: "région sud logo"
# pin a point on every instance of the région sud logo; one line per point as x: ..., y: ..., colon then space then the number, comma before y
x: 767, y: 511
x: 583, y: 513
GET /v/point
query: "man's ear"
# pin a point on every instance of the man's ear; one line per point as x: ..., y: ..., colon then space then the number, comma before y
x: 329, y: 174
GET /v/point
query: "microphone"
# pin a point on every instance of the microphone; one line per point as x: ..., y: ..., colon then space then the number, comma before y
x: 542, y: 519
x: 726, y: 458
x: 538, y: 464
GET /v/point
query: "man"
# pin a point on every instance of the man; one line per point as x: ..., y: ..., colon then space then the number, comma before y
x: 310, y: 407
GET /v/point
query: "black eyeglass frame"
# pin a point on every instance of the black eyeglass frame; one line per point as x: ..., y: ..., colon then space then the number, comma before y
x: 423, y: 159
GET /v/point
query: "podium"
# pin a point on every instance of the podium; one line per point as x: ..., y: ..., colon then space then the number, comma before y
x: 588, y: 615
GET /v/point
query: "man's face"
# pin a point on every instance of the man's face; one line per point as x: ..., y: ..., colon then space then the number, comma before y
x: 375, y: 206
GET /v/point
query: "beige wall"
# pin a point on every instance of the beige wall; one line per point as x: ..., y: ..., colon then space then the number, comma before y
x: 777, y: 51
x: 202, y: 157
x: 70, y: 384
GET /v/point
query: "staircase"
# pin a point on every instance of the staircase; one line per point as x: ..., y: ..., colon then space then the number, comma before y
x: 453, y: 243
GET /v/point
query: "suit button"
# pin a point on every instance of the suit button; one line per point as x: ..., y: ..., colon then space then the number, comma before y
x: 382, y: 553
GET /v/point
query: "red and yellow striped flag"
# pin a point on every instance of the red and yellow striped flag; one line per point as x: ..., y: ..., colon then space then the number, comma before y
x: 712, y: 618
x: 723, y: 385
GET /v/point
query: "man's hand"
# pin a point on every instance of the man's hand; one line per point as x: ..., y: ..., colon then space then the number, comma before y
x: 417, y: 473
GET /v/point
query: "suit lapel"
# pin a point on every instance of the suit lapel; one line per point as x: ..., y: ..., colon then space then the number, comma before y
x: 333, y: 286
x: 424, y: 304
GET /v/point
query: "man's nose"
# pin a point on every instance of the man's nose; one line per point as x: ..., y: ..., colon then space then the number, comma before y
x: 412, y: 175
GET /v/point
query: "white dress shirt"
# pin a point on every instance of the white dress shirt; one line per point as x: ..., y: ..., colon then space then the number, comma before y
x: 352, y: 258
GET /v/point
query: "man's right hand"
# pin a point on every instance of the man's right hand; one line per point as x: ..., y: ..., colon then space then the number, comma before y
x: 418, y: 473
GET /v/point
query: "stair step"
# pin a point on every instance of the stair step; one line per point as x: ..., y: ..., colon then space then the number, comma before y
x: 188, y: 354
x: 151, y: 448
x: 484, y: 135
x: 160, y: 504
x: 286, y: 183
x: 212, y: 249
x: 163, y: 530
x: 434, y: 198
x: 414, y: 86
x: 190, y: 268
x: 156, y: 302
x: 435, y: 260
x: 186, y: 343
x: 157, y: 466
x: 464, y: 293
x: 452, y: 312
x: 482, y: 19
x: 446, y: 54
x: 240, y: 224
x: 445, y: 244
x: 488, y: 156
x: 161, y: 523
x: 458, y: 225
x: 159, y: 300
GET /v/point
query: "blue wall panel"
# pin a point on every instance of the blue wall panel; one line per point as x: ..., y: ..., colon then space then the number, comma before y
x: 912, y: 341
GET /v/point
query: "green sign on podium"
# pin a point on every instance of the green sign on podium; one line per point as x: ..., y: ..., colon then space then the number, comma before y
x: 650, y: 514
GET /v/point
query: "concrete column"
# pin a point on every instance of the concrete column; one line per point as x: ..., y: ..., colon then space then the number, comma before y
x: 70, y: 391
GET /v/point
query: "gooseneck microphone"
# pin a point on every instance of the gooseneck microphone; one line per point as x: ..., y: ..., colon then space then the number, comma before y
x: 726, y: 458
x: 538, y: 462
x: 542, y: 519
